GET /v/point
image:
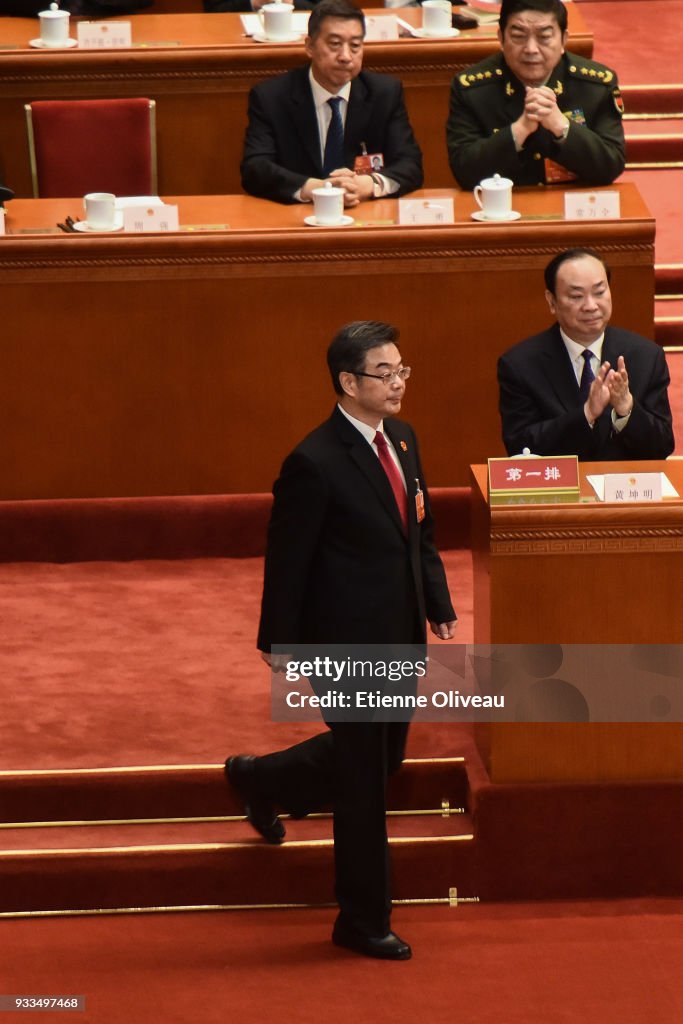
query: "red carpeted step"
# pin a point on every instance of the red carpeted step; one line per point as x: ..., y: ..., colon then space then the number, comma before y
x: 421, y: 822
x: 250, y: 873
x: 654, y: 99
x: 655, y: 148
x: 189, y: 791
x: 661, y: 191
x: 668, y: 279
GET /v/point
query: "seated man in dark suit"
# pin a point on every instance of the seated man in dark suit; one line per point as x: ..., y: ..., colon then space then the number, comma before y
x: 533, y: 112
x: 314, y: 123
x: 584, y: 388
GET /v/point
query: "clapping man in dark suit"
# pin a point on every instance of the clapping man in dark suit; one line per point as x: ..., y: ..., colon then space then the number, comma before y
x: 350, y: 560
x: 313, y: 123
x: 582, y: 387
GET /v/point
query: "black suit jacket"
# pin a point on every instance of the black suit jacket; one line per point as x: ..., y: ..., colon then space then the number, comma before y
x: 541, y: 409
x: 282, y: 144
x: 339, y: 568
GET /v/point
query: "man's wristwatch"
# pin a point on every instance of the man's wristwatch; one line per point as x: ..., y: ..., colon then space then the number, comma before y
x: 563, y: 135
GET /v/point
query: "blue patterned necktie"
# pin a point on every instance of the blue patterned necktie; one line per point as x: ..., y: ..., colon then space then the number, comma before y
x: 333, y: 157
x: 587, y: 375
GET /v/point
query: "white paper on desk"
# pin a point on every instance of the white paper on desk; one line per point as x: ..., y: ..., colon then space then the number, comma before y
x: 125, y: 202
x: 598, y: 485
x: 253, y: 26
x: 406, y: 27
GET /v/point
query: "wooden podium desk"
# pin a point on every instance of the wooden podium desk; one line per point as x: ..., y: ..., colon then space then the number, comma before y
x: 190, y: 363
x: 199, y: 69
x: 586, y: 572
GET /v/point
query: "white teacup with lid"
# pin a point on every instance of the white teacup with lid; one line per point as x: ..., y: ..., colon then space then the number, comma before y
x: 328, y: 203
x: 276, y: 19
x: 54, y: 26
x: 437, y: 17
x: 100, y: 210
x: 494, y: 196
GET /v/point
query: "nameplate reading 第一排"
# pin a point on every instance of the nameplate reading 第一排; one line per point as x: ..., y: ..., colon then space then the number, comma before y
x: 533, y: 481
x: 592, y: 206
x: 104, y: 35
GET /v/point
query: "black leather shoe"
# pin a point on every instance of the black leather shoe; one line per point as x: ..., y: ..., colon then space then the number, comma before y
x: 388, y: 948
x: 240, y: 772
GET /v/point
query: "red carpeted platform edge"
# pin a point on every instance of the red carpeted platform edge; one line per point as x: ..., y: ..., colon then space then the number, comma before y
x: 205, y: 526
x: 579, y: 840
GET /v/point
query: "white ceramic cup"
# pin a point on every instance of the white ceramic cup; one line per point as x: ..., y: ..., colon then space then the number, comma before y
x: 276, y: 20
x: 328, y: 203
x: 436, y: 17
x: 100, y: 210
x: 54, y: 26
x: 494, y: 196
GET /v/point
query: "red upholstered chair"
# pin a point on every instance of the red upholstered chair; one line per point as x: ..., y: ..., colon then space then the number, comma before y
x: 81, y: 146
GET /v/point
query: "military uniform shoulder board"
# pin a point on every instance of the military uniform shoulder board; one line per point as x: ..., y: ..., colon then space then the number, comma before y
x: 478, y: 75
x: 589, y: 71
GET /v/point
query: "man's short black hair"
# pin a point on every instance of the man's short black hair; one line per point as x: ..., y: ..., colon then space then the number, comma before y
x: 351, y: 344
x: 333, y: 9
x: 554, y: 7
x: 550, y: 272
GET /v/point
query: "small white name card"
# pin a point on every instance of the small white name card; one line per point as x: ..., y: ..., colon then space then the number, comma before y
x: 104, y: 35
x: 379, y: 28
x: 2, y: 220
x: 633, y: 487
x: 592, y: 206
x: 438, y: 210
x: 156, y: 217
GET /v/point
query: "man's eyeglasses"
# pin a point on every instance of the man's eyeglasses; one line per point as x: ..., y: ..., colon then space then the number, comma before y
x: 386, y: 378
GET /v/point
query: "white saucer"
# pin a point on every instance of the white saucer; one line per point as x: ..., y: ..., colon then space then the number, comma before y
x: 450, y: 33
x: 481, y: 216
x: 343, y: 223
x: 293, y: 37
x: 38, y: 44
x: 82, y: 225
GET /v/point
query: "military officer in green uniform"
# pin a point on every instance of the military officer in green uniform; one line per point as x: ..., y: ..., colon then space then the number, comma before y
x: 533, y: 112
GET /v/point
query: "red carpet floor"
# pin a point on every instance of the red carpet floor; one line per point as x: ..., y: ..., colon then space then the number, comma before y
x: 559, y: 963
x: 149, y: 662
x: 641, y: 40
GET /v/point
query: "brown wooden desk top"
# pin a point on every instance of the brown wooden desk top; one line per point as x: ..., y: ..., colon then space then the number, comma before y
x: 239, y: 214
x: 527, y: 523
x: 197, y: 31
x: 194, y: 321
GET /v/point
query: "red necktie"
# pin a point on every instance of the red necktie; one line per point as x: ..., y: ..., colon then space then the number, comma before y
x: 391, y: 469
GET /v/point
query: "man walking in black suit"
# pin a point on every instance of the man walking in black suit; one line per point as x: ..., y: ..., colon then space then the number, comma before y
x: 584, y: 388
x: 350, y: 560
x: 327, y: 121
